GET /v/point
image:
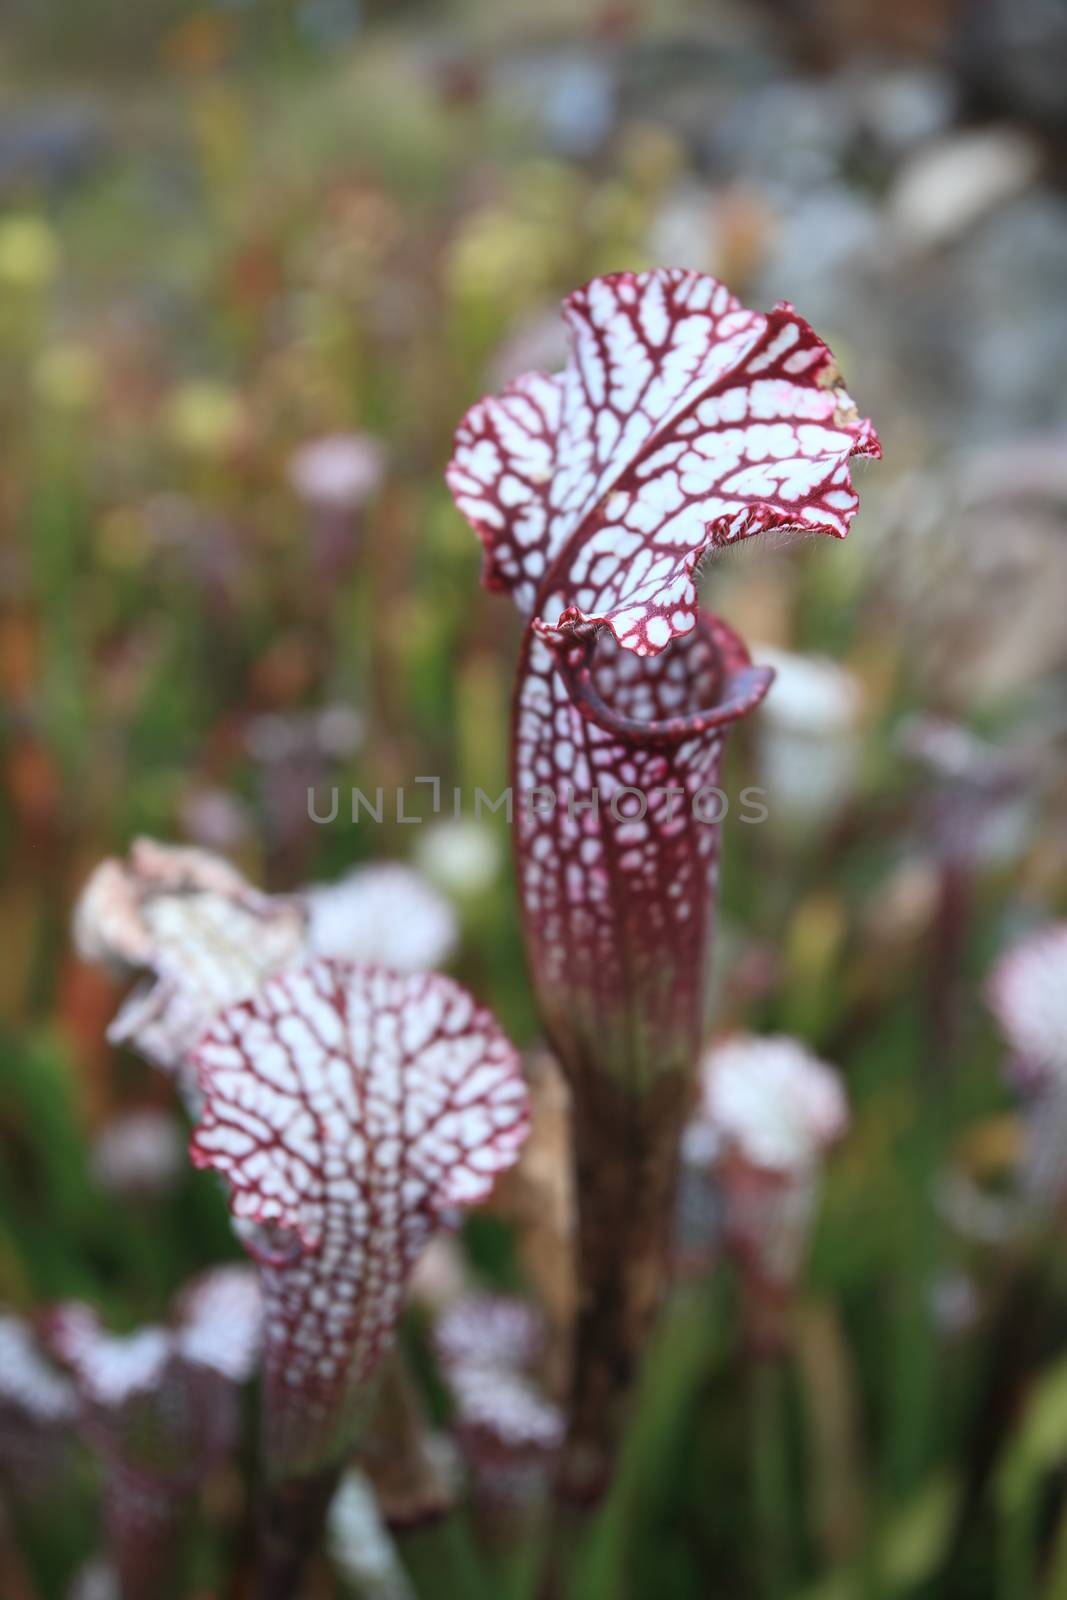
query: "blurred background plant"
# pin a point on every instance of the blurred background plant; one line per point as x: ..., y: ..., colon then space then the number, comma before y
x: 256, y: 257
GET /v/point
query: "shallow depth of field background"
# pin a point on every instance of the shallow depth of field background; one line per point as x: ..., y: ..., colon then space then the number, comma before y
x: 227, y: 229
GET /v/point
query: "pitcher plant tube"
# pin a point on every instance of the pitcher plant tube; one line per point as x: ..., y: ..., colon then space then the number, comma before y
x: 681, y: 424
x: 1027, y: 993
x: 348, y: 1108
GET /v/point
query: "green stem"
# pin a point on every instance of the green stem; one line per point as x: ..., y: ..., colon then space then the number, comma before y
x: 1016, y: 1550
x: 440, y: 1558
x: 1056, y: 1584
x: 770, y: 1479
x: 920, y: 1243
x: 686, y: 1345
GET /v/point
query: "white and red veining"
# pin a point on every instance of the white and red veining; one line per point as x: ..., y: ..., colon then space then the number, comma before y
x: 348, y: 1107
x: 617, y: 906
x: 681, y: 422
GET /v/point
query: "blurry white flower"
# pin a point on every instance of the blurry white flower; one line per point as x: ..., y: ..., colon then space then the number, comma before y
x: 360, y: 1544
x: 38, y: 1407
x: 1028, y: 996
x: 773, y: 1102
x: 387, y: 914
x: 340, y: 729
x: 216, y: 1329
x: 139, y: 1153
x: 110, y: 1370
x: 769, y: 1111
x: 206, y: 938
x: 113, y: 917
x: 337, y: 473
x: 28, y: 1382
x: 808, y: 742
x: 220, y: 1321
x: 489, y: 1347
x: 461, y: 857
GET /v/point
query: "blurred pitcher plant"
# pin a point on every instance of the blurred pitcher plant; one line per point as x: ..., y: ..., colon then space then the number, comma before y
x: 349, y: 1109
x: 681, y: 424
